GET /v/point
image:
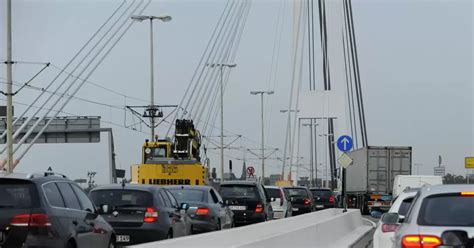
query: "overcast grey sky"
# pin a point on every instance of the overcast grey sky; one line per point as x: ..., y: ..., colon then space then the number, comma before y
x: 416, y: 62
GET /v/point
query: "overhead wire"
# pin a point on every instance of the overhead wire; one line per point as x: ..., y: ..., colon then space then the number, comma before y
x: 90, y: 73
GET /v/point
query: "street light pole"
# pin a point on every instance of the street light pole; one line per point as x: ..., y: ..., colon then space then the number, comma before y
x: 9, y: 62
x: 152, y: 109
x: 263, y: 127
x: 221, y: 86
x: 288, y: 136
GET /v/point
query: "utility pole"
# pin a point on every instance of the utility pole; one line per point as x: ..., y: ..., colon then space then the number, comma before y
x: 288, y: 136
x: 152, y: 109
x: 9, y: 62
x: 221, y: 67
x: 263, y: 127
x: 311, y: 161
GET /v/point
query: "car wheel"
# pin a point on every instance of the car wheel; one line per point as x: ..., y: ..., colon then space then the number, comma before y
x: 219, y: 226
x: 170, y: 234
x: 71, y: 244
x: 112, y: 242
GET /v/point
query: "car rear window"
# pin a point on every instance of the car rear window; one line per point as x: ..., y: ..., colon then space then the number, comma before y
x: 122, y: 198
x: 447, y: 210
x: 294, y: 192
x: 18, y: 194
x: 239, y: 191
x: 404, y: 206
x: 321, y: 193
x: 188, y: 195
x: 273, y: 193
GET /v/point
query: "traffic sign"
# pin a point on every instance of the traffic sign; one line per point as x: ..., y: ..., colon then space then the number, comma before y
x: 251, y: 171
x: 469, y: 162
x: 344, y: 143
x: 439, y: 171
x: 344, y: 160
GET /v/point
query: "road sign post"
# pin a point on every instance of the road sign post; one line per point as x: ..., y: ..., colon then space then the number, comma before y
x: 344, y: 144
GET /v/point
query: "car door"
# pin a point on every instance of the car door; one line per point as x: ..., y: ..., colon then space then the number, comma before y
x: 183, y: 227
x: 224, y: 211
x: 266, y: 201
x: 100, y: 235
x: 78, y: 219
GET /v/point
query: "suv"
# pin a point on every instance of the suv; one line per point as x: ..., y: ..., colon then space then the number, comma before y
x: 280, y: 201
x: 439, y: 216
x: 46, y: 210
x: 323, y: 198
x: 141, y: 213
x: 301, y: 200
x: 248, y: 200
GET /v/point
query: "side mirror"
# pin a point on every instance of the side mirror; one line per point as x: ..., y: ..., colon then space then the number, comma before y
x: 401, y: 218
x: 184, y: 206
x: 272, y: 199
x: 104, y: 208
x: 390, y: 218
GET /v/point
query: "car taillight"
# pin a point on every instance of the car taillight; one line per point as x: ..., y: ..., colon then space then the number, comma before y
x: 467, y: 193
x: 259, y: 208
x: 307, y: 201
x: 389, y: 227
x: 202, y: 211
x: 37, y: 220
x: 331, y: 199
x: 420, y: 241
x: 281, y: 197
x: 150, y: 215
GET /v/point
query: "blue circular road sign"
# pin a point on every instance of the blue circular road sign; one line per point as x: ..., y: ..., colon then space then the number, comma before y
x: 344, y: 143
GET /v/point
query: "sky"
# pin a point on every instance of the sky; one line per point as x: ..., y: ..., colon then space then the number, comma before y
x: 415, y: 58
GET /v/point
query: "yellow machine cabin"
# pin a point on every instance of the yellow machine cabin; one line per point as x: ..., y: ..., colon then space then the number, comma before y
x: 166, y: 162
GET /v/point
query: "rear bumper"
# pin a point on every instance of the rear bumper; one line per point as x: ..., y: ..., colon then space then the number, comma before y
x: 324, y: 205
x: 140, y: 235
x: 280, y: 214
x: 198, y: 226
x: 245, y: 218
x: 301, y: 210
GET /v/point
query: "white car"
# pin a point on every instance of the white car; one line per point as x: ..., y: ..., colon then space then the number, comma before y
x: 280, y: 201
x: 385, y: 232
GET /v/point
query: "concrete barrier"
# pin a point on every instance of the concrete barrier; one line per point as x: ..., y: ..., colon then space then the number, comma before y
x: 327, y: 228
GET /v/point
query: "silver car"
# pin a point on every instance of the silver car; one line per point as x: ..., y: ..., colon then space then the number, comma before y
x: 280, y: 201
x: 440, y: 216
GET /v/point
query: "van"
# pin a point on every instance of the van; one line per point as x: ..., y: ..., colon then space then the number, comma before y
x: 403, y: 182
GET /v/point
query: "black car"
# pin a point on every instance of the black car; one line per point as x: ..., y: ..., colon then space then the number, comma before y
x: 301, y: 200
x: 49, y: 210
x: 323, y: 198
x: 206, y: 208
x: 141, y: 213
x: 248, y: 201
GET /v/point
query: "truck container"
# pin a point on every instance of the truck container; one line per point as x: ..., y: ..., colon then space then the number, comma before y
x: 370, y: 178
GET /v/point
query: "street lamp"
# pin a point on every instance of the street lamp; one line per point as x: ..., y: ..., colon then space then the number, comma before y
x: 140, y: 18
x: 270, y: 92
x: 221, y: 66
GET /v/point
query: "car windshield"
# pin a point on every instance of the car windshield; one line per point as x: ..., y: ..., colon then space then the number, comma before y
x: 273, y: 193
x: 447, y: 210
x: 188, y: 195
x: 239, y: 191
x: 321, y: 193
x: 297, y: 192
x: 17, y: 194
x: 122, y: 198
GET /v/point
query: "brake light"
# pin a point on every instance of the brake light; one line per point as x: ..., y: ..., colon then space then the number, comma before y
x: 202, y: 211
x: 281, y: 197
x: 307, y: 201
x: 467, y: 193
x: 37, y: 220
x: 389, y: 227
x: 331, y: 199
x: 420, y: 241
x: 150, y: 215
x: 259, y: 208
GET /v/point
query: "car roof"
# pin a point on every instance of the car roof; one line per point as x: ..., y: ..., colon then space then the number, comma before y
x: 240, y: 183
x: 445, y: 188
x: 34, y: 177
x: 295, y: 187
x: 322, y: 189
x: 199, y: 187
x: 142, y: 187
x: 272, y: 187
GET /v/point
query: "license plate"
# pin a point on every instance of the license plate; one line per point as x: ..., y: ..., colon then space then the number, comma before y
x: 123, y: 238
x: 238, y: 207
x: 295, y: 209
x: 377, y: 204
x: 319, y: 206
